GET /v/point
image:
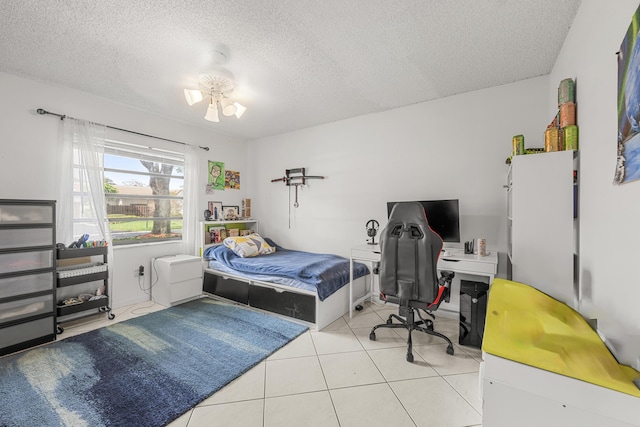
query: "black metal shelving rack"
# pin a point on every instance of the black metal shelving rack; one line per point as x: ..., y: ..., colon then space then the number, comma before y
x: 103, y: 304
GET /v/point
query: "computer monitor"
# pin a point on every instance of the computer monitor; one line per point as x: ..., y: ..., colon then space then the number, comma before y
x: 443, y: 217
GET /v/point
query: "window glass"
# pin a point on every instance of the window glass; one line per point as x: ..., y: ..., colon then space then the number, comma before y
x: 144, y: 193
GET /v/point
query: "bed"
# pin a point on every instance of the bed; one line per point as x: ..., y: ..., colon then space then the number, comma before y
x: 305, y: 286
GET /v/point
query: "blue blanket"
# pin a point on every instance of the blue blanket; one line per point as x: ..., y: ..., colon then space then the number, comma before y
x: 326, y: 272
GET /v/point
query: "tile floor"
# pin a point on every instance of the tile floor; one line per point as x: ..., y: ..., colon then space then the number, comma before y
x: 338, y: 377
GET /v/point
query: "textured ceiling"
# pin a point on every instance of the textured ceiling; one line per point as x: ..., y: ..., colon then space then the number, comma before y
x: 297, y: 63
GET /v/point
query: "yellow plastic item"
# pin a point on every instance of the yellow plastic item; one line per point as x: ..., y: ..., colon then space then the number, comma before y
x: 528, y: 326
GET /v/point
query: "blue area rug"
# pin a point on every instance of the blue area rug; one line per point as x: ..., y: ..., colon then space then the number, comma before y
x: 145, y: 371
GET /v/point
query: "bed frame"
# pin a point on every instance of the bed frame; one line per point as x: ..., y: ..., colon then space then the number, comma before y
x: 296, y: 304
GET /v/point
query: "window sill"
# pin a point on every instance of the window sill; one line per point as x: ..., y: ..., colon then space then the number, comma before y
x: 139, y: 245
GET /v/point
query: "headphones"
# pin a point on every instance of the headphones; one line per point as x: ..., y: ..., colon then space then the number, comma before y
x: 372, y: 230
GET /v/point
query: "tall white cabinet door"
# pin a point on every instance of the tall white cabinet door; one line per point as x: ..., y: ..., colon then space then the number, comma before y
x: 543, y: 223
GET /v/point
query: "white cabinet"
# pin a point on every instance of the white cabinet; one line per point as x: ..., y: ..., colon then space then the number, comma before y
x: 542, y: 230
x: 176, y: 279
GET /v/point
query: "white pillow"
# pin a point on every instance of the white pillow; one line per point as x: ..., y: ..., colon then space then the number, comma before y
x: 248, y: 246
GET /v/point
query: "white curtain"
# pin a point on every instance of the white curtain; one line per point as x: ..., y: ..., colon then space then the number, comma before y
x: 190, y: 206
x: 81, y: 194
x: 81, y: 203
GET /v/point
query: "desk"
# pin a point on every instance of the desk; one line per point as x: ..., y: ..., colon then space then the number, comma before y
x: 364, y: 253
x: 457, y: 261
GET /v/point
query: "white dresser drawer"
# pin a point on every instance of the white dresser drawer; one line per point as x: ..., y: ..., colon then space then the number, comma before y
x: 185, y: 290
x: 178, y: 268
x: 471, y: 267
x: 367, y: 255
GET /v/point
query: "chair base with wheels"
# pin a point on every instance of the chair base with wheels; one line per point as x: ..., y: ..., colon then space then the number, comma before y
x: 408, y: 312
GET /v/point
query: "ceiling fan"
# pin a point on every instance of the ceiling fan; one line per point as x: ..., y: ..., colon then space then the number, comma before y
x: 216, y: 85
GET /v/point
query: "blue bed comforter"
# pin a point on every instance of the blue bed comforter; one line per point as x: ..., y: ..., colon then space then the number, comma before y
x: 326, y: 272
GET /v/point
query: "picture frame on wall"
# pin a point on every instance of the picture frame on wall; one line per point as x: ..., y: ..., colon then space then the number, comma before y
x: 216, y: 210
x: 231, y: 180
x: 216, y: 175
x: 231, y: 212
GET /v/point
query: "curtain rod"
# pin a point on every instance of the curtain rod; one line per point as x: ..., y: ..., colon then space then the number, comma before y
x: 62, y: 117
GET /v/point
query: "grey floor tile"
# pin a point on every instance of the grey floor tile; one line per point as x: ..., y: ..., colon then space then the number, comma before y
x: 338, y: 341
x: 237, y: 414
x: 369, y: 406
x: 349, y: 369
x: 291, y: 376
x: 432, y: 402
x: 306, y: 409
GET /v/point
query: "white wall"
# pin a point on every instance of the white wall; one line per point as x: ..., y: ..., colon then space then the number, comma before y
x: 28, y: 158
x: 450, y: 148
x: 609, y: 226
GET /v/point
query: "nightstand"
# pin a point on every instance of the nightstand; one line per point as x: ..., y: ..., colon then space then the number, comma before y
x: 176, y: 279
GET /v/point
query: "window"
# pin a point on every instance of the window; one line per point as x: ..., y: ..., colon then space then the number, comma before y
x: 144, y: 189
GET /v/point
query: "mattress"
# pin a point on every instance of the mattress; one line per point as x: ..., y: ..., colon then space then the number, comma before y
x: 323, y: 274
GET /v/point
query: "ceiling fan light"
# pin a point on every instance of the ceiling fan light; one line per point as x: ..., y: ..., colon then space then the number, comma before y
x: 228, y: 108
x: 215, y: 87
x: 240, y: 109
x: 212, y: 113
x: 192, y: 96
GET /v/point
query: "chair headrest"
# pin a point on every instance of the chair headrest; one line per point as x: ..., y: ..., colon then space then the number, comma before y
x: 408, y: 212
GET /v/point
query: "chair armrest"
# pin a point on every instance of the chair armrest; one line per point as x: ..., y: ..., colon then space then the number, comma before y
x: 444, y: 287
x: 446, y: 276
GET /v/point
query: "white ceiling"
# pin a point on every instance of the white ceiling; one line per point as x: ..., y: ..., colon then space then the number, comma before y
x: 297, y: 63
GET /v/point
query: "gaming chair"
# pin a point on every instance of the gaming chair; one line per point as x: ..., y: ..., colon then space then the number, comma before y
x: 408, y: 276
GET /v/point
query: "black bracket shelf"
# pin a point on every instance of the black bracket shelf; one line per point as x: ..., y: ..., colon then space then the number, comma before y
x: 64, y: 310
x: 68, y: 253
x: 91, y: 277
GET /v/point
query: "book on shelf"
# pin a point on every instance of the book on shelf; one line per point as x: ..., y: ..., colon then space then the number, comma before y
x: 215, y: 235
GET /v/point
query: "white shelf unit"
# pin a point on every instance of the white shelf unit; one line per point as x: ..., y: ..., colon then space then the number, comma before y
x: 204, y: 240
x: 542, y: 236
x: 176, y: 279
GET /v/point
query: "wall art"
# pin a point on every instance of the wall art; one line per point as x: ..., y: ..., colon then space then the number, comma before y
x: 628, y: 158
